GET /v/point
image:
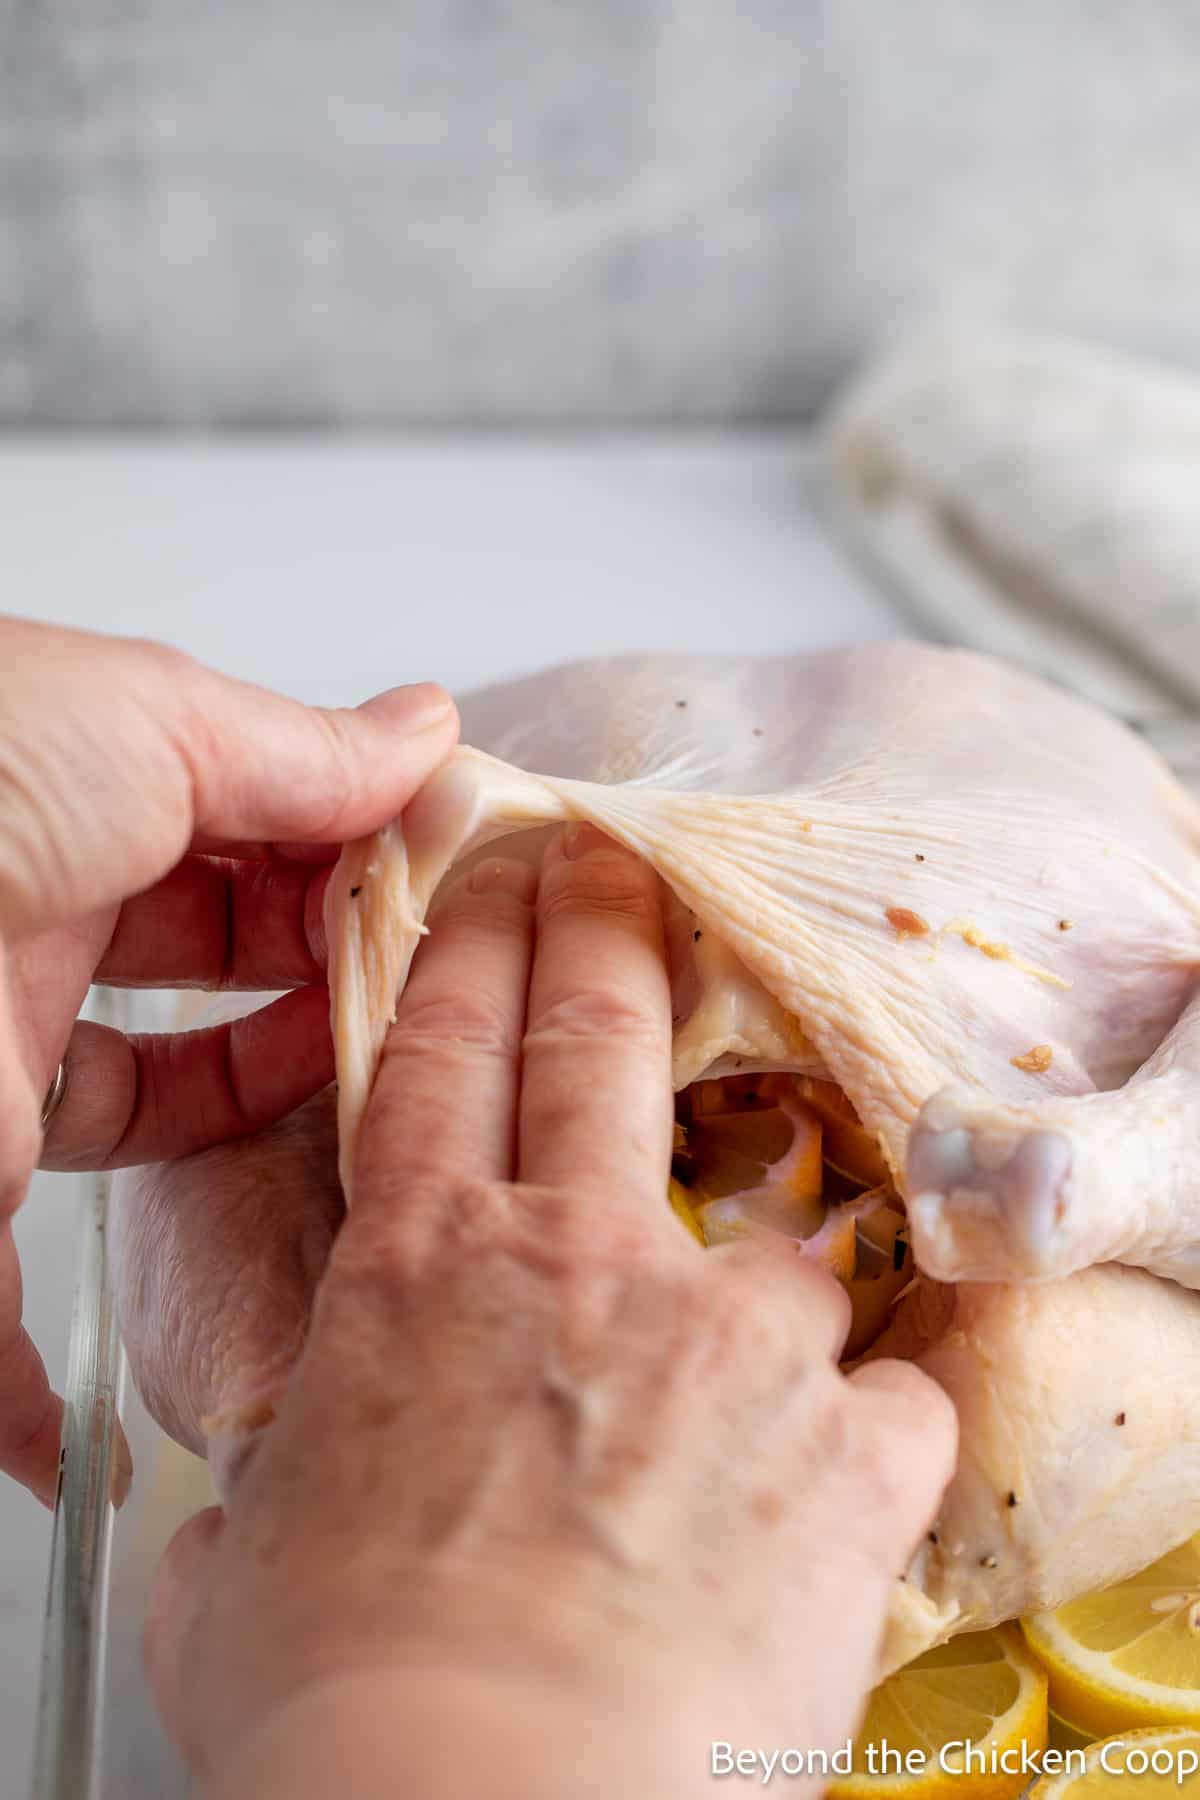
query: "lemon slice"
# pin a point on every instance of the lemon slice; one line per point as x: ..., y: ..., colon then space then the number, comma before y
x: 849, y: 1146
x: 1129, y: 1655
x: 758, y: 1167
x: 775, y: 1148
x: 751, y: 1156
x: 983, y: 1690
x: 681, y: 1206
x: 1159, y: 1762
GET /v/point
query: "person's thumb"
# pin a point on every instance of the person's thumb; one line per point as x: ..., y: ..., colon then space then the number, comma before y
x: 116, y: 756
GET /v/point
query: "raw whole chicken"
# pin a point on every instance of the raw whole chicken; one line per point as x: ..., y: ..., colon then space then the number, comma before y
x: 948, y: 914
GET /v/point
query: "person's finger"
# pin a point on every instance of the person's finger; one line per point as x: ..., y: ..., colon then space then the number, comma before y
x: 115, y: 756
x: 911, y: 1423
x: 22, y: 1089
x: 771, y: 1272
x: 180, y: 1582
x: 214, y: 923
x: 596, y: 1082
x: 155, y: 1096
x: 254, y: 850
x: 30, y: 1412
x: 443, y: 1107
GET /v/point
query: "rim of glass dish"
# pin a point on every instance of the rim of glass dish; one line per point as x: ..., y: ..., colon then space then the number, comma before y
x: 65, y: 1757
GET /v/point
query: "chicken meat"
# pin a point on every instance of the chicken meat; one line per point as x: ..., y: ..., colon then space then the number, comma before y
x: 969, y: 903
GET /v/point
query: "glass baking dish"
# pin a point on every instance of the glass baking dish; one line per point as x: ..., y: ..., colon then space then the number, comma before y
x: 98, y: 1737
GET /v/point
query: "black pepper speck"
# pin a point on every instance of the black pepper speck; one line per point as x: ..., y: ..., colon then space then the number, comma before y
x: 355, y: 892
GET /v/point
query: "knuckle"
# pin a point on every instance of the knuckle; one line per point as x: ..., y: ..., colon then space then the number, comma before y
x: 481, y: 1215
x: 876, y: 1463
x: 613, y: 1288
x: 476, y: 916
x: 370, y: 1255
x: 745, y: 1332
x: 920, y: 1416
x: 759, y: 1332
x: 339, y: 770
x: 551, y: 1230
x: 874, y: 1452
x: 578, y: 1243
x: 429, y: 1023
x: 598, y: 1238
x: 372, y: 1268
x: 389, y: 1251
x: 791, y: 1298
x: 592, y: 1012
x: 615, y: 884
x: 159, y: 659
x: 151, y: 1074
x: 685, y: 1299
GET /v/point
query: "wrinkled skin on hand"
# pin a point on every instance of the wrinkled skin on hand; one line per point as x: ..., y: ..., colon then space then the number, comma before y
x: 534, y: 1433
x: 161, y: 824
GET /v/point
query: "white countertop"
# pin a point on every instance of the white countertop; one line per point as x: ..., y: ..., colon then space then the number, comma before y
x: 332, y: 570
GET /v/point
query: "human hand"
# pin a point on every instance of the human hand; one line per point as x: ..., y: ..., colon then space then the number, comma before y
x: 142, y: 798
x: 551, y: 1497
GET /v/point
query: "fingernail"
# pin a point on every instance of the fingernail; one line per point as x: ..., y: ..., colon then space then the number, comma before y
x: 418, y: 707
x: 503, y: 875
x: 584, y: 839
x: 122, y: 1467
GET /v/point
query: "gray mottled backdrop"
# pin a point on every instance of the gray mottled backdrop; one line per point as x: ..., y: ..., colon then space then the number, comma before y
x: 350, y: 211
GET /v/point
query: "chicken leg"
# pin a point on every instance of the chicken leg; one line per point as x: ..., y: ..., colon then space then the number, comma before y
x: 1078, y: 1462
x: 1036, y: 1190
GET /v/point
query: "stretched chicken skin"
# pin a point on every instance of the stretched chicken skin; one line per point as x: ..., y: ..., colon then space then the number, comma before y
x: 904, y: 869
x: 922, y: 870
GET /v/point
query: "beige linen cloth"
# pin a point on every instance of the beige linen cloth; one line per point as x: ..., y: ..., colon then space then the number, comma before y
x: 1038, y: 499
